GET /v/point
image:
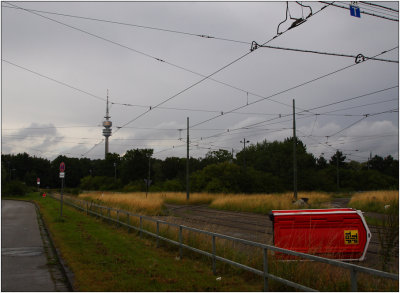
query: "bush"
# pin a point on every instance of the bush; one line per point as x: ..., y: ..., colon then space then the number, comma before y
x: 134, y: 186
x: 100, y: 183
x: 173, y: 185
x: 15, y: 188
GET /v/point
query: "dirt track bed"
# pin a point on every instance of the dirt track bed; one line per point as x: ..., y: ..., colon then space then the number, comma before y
x: 254, y: 227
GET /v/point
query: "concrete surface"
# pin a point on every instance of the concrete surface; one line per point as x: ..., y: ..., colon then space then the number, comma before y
x: 24, y: 262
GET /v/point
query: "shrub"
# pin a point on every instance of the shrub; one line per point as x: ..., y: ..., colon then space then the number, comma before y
x: 15, y: 188
x: 172, y: 185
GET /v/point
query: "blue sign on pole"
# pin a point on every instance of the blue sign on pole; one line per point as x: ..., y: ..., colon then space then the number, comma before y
x: 355, y: 11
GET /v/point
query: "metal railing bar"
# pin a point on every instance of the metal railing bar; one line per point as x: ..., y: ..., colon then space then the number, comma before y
x: 239, y: 265
x: 348, y: 266
x: 197, y: 250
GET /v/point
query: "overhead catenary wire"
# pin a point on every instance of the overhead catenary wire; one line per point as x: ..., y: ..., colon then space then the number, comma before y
x: 54, y: 80
x: 160, y: 107
x: 378, y: 5
x: 289, y: 89
x: 362, y: 11
x: 126, y: 104
x: 365, y: 117
x: 205, y: 36
x: 373, y: 9
x: 362, y: 57
x: 205, y: 77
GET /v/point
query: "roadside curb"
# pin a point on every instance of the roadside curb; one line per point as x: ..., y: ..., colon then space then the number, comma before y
x: 66, y: 272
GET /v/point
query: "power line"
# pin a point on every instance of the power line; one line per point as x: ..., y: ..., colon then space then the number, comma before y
x: 145, y: 54
x: 374, y: 9
x: 359, y: 106
x: 358, y: 58
x: 353, y: 98
x: 344, y: 100
x: 127, y: 104
x: 204, y: 36
x: 287, y: 90
x: 378, y: 5
x: 365, y: 117
x: 362, y: 11
x: 203, y: 79
x: 161, y: 60
x: 52, y: 79
x: 49, y: 127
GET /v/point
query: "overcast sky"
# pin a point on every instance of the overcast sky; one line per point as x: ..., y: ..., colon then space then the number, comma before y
x: 58, y: 66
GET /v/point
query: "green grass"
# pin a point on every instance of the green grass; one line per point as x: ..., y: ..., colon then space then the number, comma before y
x: 104, y: 258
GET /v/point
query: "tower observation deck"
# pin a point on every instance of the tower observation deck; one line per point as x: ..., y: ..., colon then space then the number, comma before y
x: 107, y: 128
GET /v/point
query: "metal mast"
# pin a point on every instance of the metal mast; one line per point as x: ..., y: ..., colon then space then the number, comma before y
x: 107, y: 128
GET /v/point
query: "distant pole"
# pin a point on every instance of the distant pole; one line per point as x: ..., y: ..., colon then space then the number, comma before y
x: 294, y: 153
x: 244, y: 149
x: 115, y: 171
x: 337, y: 169
x: 62, y: 175
x: 369, y: 159
x: 148, y: 179
x: 187, y: 161
x: 61, y: 201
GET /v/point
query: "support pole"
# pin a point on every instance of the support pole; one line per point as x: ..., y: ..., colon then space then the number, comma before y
x: 294, y: 154
x: 337, y: 169
x: 187, y: 161
x: 61, y: 201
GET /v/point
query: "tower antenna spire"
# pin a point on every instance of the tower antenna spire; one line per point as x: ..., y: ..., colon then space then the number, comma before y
x: 107, y: 127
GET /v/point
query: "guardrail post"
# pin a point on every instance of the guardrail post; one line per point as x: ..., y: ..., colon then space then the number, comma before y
x: 109, y: 212
x: 87, y: 208
x: 213, y: 255
x: 180, y: 241
x: 117, y: 217
x: 140, y: 229
x: 128, y: 222
x: 353, y: 278
x: 265, y: 269
x: 158, y: 233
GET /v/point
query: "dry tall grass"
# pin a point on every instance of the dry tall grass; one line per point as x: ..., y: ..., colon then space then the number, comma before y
x: 153, y: 203
x: 374, y: 201
x: 134, y: 202
x: 263, y: 203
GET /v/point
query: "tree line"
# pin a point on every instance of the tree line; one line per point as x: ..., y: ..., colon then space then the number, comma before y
x: 259, y: 168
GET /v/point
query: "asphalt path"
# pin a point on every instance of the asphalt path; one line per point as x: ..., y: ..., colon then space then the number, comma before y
x: 24, y: 262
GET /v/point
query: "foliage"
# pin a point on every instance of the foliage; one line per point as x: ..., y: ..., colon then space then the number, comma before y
x: 100, y: 183
x: 14, y: 188
x: 268, y: 168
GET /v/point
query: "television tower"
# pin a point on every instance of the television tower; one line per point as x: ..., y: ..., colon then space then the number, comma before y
x: 107, y: 127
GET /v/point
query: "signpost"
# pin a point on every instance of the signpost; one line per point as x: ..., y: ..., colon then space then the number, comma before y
x: 38, y: 184
x: 62, y: 176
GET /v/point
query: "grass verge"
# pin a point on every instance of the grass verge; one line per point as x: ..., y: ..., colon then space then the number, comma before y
x: 105, y: 258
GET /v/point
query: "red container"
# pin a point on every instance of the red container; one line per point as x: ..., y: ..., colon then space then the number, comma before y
x: 333, y: 233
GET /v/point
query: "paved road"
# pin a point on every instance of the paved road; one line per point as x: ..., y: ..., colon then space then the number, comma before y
x: 24, y: 262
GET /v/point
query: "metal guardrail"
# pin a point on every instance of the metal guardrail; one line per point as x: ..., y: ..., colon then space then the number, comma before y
x: 353, y: 269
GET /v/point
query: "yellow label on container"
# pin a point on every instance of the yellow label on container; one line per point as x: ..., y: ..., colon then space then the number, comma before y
x: 350, y: 236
